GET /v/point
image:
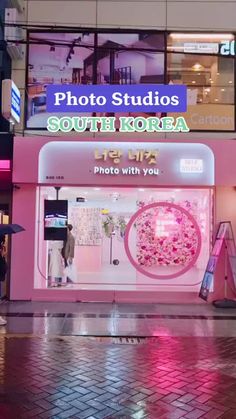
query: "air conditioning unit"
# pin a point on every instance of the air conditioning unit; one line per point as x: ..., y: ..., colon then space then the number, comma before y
x: 17, y: 4
x: 13, y: 34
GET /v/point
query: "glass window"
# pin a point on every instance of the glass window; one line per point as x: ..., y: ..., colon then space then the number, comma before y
x: 102, y: 233
x: 210, y: 82
x: 55, y: 58
x: 140, y: 40
x: 129, y: 67
x: 130, y: 58
x: 202, y: 62
x: 133, y: 58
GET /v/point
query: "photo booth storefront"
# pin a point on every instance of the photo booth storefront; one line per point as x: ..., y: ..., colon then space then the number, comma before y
x: 141, y: 216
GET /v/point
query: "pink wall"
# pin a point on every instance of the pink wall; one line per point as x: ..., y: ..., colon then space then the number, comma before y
x: 24, y: 212
x: 22, y: 256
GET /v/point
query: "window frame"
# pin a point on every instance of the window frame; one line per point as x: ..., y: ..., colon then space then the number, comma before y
x: 165, y: 51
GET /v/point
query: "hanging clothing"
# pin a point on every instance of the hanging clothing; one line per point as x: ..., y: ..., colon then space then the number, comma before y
x: 69, y: 247
x: 55, y: 262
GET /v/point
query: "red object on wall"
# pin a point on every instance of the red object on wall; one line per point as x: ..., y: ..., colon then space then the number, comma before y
x: 5, y: 174
x: 5, y: 165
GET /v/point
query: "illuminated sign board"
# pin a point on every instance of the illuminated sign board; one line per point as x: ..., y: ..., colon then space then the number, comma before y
x: 191, y: 165
x: 222, y: 48
x: 201, y: 48
x: 11, y: 101
x: 125, y: 163
x: 227, y: 48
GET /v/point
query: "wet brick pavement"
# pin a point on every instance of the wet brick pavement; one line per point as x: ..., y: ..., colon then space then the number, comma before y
x: 76, y: 377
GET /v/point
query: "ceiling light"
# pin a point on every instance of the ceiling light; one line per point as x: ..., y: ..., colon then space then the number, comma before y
x: 96, y: 189
x: 211, y: 81
x: 220, y: 36
x: 218, y: 74
x: 193, y: 81
x: 230, y: 82
x: 197, y: 67
x: 222, y: 90
x: 216, y: 100
x: 141, y: 190
x: 207, y: 89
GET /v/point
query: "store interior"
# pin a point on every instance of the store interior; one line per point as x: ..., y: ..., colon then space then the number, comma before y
x: 160, y: 242
x: 68, y: 58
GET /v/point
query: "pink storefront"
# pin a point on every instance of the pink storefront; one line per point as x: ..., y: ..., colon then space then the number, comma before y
x: 143, y: 216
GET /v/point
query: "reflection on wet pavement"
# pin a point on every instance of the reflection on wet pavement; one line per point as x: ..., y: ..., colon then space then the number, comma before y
x: 75, y: 377
x: 146, y: 361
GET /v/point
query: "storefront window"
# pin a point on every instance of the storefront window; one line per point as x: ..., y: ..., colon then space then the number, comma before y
x: 55, y: 58
x: 141, y: 40
x: 210, y: 82
x: 130, y: 58
x: 203, y: 62
x: 119, y: 245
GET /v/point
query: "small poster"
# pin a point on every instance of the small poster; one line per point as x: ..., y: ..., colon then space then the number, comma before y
x: 232, y: 261
x: 206, y: 285
x: 211, y: 266
x: 222, y: 230
x: 213, y: 259
x: 230, y: 243
x: 217, y: 247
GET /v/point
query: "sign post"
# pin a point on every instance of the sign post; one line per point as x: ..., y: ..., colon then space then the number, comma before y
x: 224, y: 239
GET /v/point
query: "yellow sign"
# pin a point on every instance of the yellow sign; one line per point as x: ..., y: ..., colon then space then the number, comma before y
x: 150, y: 156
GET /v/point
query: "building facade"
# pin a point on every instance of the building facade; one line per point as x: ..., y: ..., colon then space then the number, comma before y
x: 120, y: 42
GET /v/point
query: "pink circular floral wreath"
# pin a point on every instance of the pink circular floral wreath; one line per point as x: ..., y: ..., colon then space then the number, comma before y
x: 195, y: 226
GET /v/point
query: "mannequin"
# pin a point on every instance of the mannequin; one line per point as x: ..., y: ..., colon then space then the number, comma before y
x: 55, y: 263
x: 68, y: 250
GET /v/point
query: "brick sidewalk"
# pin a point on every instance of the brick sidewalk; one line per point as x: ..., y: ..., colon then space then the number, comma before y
x: 72, y: 377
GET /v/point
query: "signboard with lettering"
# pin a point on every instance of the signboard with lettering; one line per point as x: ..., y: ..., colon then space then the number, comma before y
x: 109, y: 163
x: 11, y: 101
x: 224, y: 238
x: 201, y: 47
x: 227, y: 48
